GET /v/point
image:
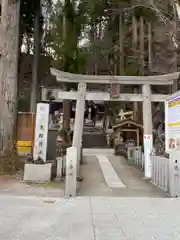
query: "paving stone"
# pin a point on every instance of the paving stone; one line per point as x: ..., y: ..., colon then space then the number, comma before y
x: 112, y: 176
x: 28, y: 218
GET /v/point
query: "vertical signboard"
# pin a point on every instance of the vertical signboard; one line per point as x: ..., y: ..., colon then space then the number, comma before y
x: 172, y: 123
x: 41, y: 132
x: 148, y: 147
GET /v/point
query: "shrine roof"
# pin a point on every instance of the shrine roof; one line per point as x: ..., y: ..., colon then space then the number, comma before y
x: 127, y: 121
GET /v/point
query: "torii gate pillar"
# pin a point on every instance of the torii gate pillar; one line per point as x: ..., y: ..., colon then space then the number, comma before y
x: 148, y: 134
x: 79, y: 121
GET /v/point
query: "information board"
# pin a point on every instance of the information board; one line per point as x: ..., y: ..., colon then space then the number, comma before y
x: 172, y: 123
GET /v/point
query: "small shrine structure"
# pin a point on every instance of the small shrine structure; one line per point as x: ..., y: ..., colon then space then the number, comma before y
x: 128, y: 129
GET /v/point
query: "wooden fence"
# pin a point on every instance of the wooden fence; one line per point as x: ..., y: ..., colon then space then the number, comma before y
x: 25, y: 133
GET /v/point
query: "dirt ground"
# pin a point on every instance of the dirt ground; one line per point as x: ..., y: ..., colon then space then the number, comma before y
x: 6, y: 178
x: 13, y: 185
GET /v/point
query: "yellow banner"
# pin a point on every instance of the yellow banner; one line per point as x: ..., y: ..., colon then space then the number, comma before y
x: 174, y: 124
x: 24, y: 143
x: 174, y: 103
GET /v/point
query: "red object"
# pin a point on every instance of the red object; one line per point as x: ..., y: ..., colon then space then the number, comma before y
x: 115, y: 90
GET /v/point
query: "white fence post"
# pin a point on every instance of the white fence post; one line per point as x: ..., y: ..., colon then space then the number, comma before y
x: 160, y: 176
x: 135, y: 155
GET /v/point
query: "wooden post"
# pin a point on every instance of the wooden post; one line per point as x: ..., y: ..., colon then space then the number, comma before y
x: 79, y: 122
x: 135, y: 107
x: 137, y: 137
x: 147, y: 122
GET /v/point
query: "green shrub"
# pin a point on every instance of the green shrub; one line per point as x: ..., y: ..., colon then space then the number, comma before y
x: 11, y: 164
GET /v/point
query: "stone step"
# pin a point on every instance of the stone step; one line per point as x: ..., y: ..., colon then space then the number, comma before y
x: 93, y: 130
x: 98, y: 151
x: 95, y: 140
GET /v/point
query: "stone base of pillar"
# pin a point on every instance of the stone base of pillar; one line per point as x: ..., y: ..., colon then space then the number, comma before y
x: 79, y: 178
x: 71, y: 170
x: 146, y: 179
x: 37, y: 173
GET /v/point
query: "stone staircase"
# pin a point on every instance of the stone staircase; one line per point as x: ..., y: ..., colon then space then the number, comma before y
x: 94, y: 137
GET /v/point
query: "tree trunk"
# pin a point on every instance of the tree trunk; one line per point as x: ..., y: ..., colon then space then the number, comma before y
x: 149, y: 46
x: 9, y: 49
x: 175, y: 83
x: 35, y: 71
x: 134, y: 35
x: 141, y: 38
x: 66, y: 115
x: 66, y: 112
x: 136, y: 105
x: 94, y: 52
x: 121, y: 50
x: 121, y: 44
x: 141, y: 69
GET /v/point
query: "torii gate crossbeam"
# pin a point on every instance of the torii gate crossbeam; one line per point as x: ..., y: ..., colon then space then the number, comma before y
x: 166, y: 79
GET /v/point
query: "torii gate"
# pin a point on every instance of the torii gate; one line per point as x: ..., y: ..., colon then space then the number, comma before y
x: 81, y: 95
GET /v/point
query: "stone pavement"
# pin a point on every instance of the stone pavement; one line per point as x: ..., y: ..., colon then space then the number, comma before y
x: 111, y: 177
x: 138, y: 211
x: 89, y: 218
x: 95, y: 179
